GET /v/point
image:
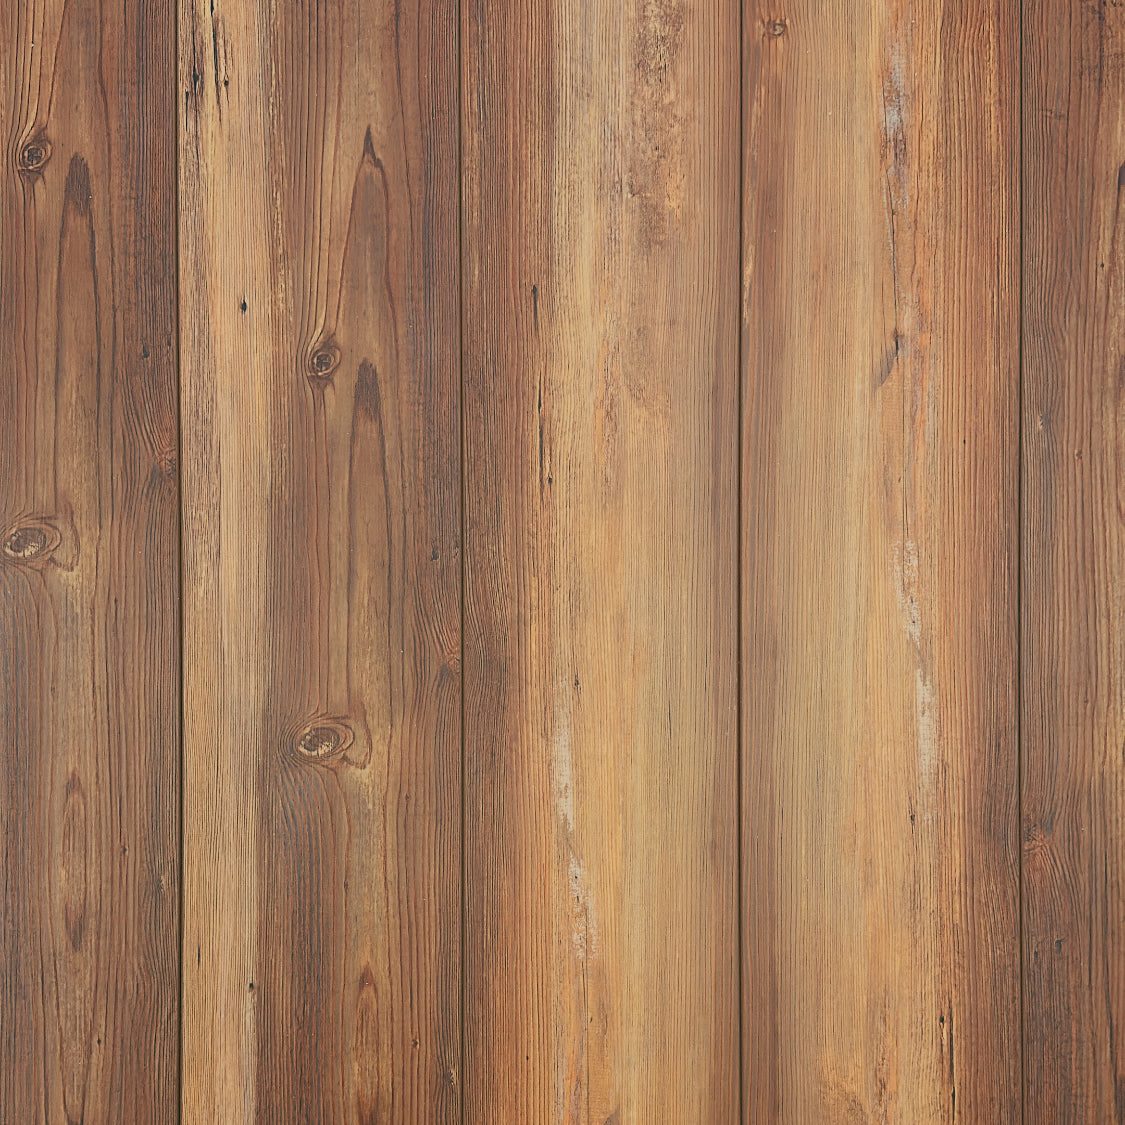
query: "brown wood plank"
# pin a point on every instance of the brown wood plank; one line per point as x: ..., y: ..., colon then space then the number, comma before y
x: 89, y: 549
x: 319, y: 290
x: 600, y: 229
x: 89, y: 717
x: 879, y: 524
x: 1073, y: 640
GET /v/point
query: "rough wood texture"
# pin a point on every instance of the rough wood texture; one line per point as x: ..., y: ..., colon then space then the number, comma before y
x: 600, y: 220
x: 319, y: 287
x: 1073, y: 646
x: 743, y: 724
x: 89, y: 674
x: 880, y: 362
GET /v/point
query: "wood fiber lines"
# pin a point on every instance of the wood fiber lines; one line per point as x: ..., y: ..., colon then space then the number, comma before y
x: 89, y: 503
x: 560, y: 562
x: 319, y: 305
x: 600, y: 218
x: 879, y: 579
x: 1073, y: 547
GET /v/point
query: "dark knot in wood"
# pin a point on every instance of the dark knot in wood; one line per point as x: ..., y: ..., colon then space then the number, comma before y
x: 35, y: 155
x: 31, y: 542
x: 323, y: 361
x: 325, y: 740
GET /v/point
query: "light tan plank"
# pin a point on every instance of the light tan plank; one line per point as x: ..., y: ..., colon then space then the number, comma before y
x: 879, y: 539
x: 600, y: 248
x: 319, y: 289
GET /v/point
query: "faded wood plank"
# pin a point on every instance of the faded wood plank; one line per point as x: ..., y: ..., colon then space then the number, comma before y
x: 600, y: 220
x: 89, y: 655
x: 319, y: 290
x: 1073, y: 545
x: 879, y: 627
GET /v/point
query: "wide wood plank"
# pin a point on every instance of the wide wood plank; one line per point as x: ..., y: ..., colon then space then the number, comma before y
x: 89, y: 651
x: 319, y: 295
x: 600, y: 318
x: 1073, y: 714
x: 879, y: 546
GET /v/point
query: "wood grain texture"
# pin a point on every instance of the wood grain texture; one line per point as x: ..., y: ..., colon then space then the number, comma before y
x: 600, y: 219
x: 319, y: 288
x: 1073, y: 640
x: 879, y: 539
x: 89, y: 652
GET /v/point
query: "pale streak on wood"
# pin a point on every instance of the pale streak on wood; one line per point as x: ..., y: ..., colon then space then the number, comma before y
x: 224, y: 218
x: 600, y: 198
x: 880, y: 354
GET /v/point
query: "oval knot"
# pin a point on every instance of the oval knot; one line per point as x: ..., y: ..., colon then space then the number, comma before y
x: 31, y: 542
x: 35, y: 154
x: 323, y: 361
x: 324, y: 740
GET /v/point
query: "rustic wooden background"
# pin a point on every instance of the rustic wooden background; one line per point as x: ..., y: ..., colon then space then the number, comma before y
x: 562, y: 561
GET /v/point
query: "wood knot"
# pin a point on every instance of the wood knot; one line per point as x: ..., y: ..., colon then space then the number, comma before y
x: 31, y: 542
x: 775, y: 29
x: 1036, y: 837
x: 324, y: 740
x: 323, y: 361
x: 34, y: 155
x: 166, y: 464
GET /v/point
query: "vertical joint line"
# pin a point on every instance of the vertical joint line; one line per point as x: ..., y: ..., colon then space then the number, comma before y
x: 463, y: 522
x: 739, y: 380
x: 179, y: 616
x: 1020, y: 187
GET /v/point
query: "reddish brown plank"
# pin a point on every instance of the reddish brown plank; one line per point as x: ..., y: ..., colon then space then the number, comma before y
x: 1073, y: 637
x: 89, y: 650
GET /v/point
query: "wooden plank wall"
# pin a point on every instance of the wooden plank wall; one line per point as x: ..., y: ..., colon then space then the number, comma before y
x: 89, y: 565
x: 322, y: 606
x: 646, y: 480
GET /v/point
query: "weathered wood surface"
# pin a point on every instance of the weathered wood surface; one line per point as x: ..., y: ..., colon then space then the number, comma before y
x: 1073, y: 551
x: 879, y: 563
x: 600, y: 221
x: 319, y: 287
x: 89, y: 548
x: 791, y: 643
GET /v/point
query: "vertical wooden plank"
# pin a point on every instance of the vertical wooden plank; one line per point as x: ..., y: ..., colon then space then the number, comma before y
x: 89, y: 652
x: 1073, y: 636
x: 880, y: 515
x: 319, y: 297
x: 600, y: 218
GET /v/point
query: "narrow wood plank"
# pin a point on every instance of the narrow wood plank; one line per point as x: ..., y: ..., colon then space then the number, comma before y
x: 1073, y: 713
x: 319, y: 290
x: 89, y: 549
x: 879, y: 476
x: 600, y: 261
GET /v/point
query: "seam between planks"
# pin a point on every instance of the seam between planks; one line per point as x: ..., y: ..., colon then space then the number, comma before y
x: 179, y: 616
x: 740, y: 388
x: 462, y: 520
x: 1019, y: 566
